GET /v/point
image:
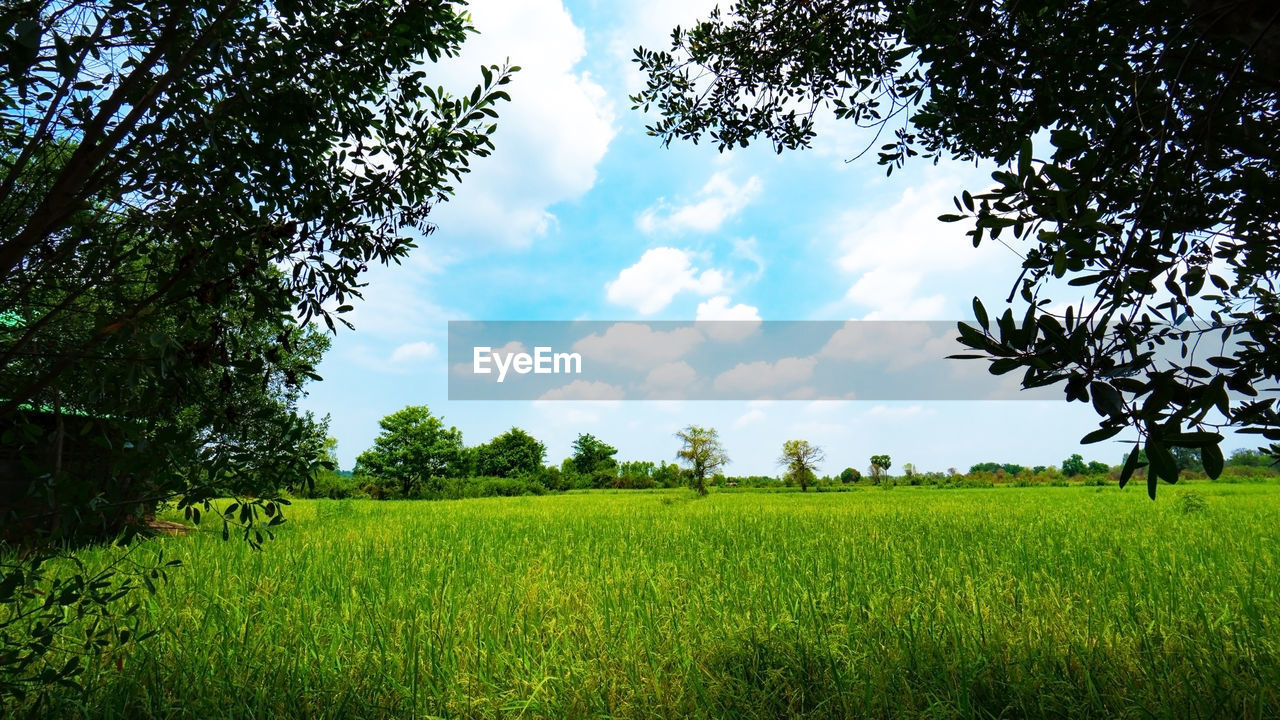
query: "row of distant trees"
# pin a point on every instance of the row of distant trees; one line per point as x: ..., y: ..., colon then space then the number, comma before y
x: 417, y: 456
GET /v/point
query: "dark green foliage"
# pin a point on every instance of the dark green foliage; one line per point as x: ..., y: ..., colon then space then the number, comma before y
x: 850, y: 475
x: 1006, y: 468
x: 642, y: 474
x: 336, y: 486
x: 1244, y: 457
x: 415, y: 452
x: 511, y: 454
x: 593, y: 461
x: 1074, y: 466
x: 880, y: 465
x: 180, y: 184
x: 1156, y: 192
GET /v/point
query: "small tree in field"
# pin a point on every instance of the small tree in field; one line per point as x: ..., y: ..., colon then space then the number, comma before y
x: 880, y: 465
x: 801, y: 460
x: 511, y: 454
x: 593, y: 459
x: 1074, y: 466
x: 702, y: 451
x: 414, y: 447
x: 849, y: 475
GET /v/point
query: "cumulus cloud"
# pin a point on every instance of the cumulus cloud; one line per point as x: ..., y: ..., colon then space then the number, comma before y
x: 659, y: 275
x: 550, y: 137
x: 897, y: 252
x: 415, y: 351
x: 763, y: 376
x: 718, y: 308
x: 671, y: 381
x: 719, y: 200
x: 898, y: 344
x: 678, y: 375
x: 725, y: 322
x: 638, y: 346
x: 584, y: 390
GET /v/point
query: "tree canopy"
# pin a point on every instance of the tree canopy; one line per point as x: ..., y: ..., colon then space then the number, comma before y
x: 184, y: 187
x: 186, y: 190
x: 413, y: 448
x: 700, y: 448
x: 513, y: 453
x: 592, y: 455
x: 801, y: 460
x: 1138, y: 151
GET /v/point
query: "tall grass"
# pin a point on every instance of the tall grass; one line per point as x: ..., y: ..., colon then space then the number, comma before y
x: 1071, y: 602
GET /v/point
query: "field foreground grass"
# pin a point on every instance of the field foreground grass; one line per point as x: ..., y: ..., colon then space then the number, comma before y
x: 1047, y: 602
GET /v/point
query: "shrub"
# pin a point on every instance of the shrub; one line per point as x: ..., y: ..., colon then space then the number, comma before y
x: 336, y: 486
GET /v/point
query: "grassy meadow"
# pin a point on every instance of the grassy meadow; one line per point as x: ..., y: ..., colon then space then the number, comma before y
x: 1012, y: 602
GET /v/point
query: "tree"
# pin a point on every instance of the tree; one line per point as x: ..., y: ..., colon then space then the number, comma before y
x: 183, y: 188
x: 801, y: 460
x: 1156, y: 191
x: 701, y: 450
x: 880, y: 465
x: 413, y: 448
x: 593, y: 458
x: 155, y: 215
x: 1074, y: 465
x: 1187, y: 459
x: 849, y: 475
x: 510, y: 454
x: 1244, y: 457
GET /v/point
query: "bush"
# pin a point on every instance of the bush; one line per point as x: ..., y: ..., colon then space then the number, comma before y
x: 477, y: 487
x: 337, y: 486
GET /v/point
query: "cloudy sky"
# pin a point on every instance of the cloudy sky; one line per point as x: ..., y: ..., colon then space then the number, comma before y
x: 578, y: 215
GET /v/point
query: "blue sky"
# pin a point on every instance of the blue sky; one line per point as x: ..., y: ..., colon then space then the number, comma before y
x: 580, y: 215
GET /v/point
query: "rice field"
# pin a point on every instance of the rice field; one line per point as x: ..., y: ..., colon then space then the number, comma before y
x: 1037, y: 602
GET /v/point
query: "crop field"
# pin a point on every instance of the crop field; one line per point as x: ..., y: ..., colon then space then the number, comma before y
x: 1036, y: 602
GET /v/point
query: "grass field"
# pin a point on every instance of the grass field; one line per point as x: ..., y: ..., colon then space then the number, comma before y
x: 1039, y: 602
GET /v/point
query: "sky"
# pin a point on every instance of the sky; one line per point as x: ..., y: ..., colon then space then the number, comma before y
x: 579, y: 215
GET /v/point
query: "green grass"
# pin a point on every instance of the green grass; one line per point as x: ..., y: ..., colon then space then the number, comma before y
x: 1047, y: 602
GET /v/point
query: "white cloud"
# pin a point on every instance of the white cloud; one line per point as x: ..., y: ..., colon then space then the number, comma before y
x: 638, y: 346
x: 550, y: 137
x: 892, y: 293
x: 396, y: 305
x: 727, y: 323
x: 415, y: 351
x: 761, y: 375
x: 660, y: 274
x: 718, y: 308
x: 897, y: 344
x: 898, y: 251
x: 584, y: 390
x: 678, y: 375
x: 719, y: 200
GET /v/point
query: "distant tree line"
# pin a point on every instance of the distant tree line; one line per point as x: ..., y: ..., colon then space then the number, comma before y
x: 416, y: 456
